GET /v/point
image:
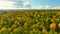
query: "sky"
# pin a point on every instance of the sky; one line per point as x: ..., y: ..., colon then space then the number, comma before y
x: 29, y: 4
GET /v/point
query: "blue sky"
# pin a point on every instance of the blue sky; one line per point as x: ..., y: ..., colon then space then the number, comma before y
x: 44, y: 2
x: 30, y: 4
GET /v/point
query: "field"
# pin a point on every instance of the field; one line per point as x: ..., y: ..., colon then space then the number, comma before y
x: 30, y: 22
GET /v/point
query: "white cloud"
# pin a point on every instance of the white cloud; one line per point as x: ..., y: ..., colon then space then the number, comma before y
x: 41, y: 7
x: 26, y: 3
x: 36, y: 7
x: 58, y: 7
x: 13, y: 5
x: 23, y: 5
x: 45, y: 7
x: 6, y: 4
